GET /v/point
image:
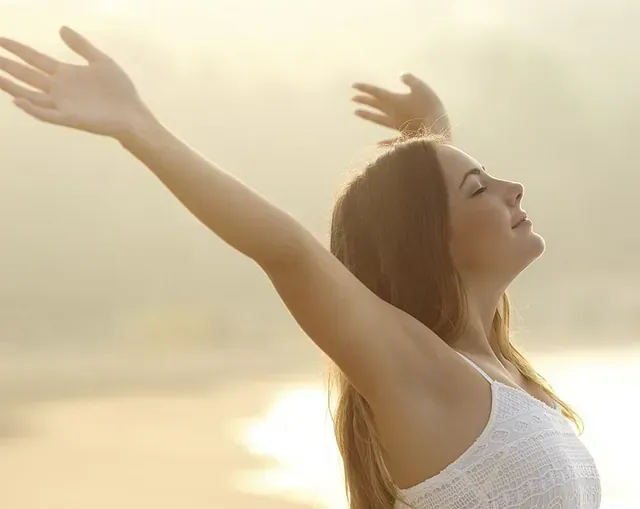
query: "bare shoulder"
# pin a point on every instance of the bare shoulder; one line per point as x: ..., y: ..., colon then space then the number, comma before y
x: 430, y: 376
x: 438, y: 369
x: 437, y: 416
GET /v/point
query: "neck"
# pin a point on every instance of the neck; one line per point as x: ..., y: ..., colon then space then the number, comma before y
x: 477, y: 337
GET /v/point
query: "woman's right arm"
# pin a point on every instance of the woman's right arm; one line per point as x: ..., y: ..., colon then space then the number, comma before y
x: 369, y: 339
x: 379, y: 347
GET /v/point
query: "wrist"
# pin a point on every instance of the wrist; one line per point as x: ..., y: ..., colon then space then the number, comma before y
x: 139, y: 129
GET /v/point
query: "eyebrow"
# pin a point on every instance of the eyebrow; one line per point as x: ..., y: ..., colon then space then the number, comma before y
x: 473, y: 171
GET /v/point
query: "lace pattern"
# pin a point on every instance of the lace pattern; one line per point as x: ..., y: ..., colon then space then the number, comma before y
x: 527, y: 457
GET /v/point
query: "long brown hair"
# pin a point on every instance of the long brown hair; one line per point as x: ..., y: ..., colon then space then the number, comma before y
x: 390, y: 228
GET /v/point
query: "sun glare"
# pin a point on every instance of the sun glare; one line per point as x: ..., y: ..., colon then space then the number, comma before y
x: 298, y: 432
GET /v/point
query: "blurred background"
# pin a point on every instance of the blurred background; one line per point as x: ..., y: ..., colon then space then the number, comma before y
x: 145, y: 364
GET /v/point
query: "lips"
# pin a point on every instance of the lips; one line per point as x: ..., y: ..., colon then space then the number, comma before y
x: 520, y: 220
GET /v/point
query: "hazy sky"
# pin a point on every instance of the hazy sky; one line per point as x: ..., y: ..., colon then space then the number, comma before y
x: 541, y: 91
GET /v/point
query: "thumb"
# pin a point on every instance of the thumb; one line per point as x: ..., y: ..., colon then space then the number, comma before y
x: 412, y: 81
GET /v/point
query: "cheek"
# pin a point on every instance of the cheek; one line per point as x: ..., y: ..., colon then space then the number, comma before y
x: 479, y: 237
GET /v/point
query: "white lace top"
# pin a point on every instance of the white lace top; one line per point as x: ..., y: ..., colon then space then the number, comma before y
x: 527, y: 457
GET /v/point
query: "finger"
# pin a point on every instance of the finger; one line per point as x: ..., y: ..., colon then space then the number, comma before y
x: 51, y: 116
x: 412, y: 81
x: 81, y: 45
x: 368, y: 100
x: 15, y: 90
x: 30, y: 56
x: 379, y: 93
x: 24, y: 73
x: 376, y: 118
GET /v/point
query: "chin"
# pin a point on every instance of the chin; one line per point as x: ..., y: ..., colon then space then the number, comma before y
x: 538, y: 245
x: 529, y: 252
x: 535, y: 249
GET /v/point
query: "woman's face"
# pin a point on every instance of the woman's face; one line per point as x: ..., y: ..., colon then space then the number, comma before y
x: 491, y: 241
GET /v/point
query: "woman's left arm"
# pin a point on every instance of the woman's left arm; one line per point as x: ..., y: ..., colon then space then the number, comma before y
x: 412, y: 113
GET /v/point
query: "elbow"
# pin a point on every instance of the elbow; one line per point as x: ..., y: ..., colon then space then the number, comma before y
x: 291, y: 252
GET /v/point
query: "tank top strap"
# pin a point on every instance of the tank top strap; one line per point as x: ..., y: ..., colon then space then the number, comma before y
x: 476, y: 367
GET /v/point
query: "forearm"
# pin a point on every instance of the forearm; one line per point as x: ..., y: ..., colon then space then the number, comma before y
x: 234, y: 212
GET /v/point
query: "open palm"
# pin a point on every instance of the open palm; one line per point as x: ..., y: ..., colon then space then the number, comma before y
x: 98, y: 97
x: 410, y: 113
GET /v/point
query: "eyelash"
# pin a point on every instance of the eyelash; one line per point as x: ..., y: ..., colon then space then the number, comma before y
x: 480, y: 191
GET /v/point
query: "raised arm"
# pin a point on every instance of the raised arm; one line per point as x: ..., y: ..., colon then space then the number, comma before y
x: 376, y: 345
x: 369, y: 339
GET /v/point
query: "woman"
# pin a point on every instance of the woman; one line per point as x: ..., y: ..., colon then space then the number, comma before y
x: 437, y: 408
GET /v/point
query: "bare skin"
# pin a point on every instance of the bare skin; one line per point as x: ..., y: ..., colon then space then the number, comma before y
x: 409, y: 112
x: 429, y: 404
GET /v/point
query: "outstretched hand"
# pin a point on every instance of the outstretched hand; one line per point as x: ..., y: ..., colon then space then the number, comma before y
x: 410, y: 113
x: 98, y: 97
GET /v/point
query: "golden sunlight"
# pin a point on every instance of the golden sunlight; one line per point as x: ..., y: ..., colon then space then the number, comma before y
x: 297, y: 432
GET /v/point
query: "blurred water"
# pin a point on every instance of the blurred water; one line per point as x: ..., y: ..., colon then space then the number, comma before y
x: 261, y: 439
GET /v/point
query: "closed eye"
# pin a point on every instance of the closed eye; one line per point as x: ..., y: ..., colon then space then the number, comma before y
x: 479, y: 191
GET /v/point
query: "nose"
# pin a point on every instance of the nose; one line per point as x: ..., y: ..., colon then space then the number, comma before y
x: 514, y: 193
